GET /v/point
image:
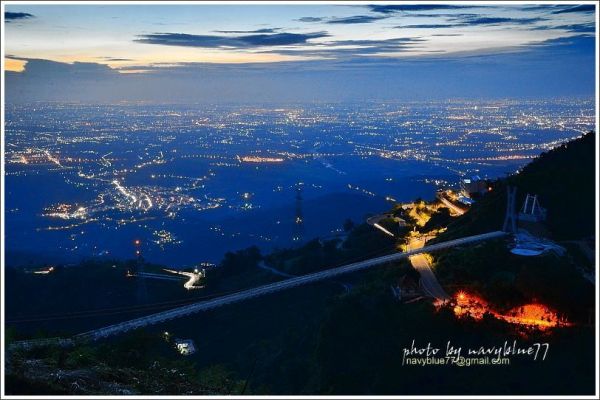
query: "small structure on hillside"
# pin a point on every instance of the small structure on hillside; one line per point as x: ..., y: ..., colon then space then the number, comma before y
x: 532, y: 211
x: 44, y: 271
x: 185, y: 346
x: 529, y: 245
x: 474, y: 186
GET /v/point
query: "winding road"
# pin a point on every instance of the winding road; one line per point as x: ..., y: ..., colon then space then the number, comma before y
x: 453, y: 207
x: 420, y: 262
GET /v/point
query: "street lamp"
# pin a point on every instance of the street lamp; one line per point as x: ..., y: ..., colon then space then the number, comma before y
x: 138, y: 250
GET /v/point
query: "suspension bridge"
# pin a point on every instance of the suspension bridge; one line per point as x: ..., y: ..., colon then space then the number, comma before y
x: 243, y: 295
x: 157, y: 318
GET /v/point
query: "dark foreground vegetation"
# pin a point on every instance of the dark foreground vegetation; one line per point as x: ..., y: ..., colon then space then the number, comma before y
x: 564, y: 180
x: 317, y: 339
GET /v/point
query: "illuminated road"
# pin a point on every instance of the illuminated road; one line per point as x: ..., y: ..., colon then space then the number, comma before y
x: 374, y: 221
x: 124, y: 191
x: 272, y: 288
x: 157, y: 276
x: 453, y: 207
x: 420, y: 262
x: 193, y: 278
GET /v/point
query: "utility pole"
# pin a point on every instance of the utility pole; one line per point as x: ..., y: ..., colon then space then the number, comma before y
x: 142, y: 292
x: 299, y: 221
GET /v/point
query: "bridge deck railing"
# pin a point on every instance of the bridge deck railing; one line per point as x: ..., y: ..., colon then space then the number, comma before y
x: 273, y: 287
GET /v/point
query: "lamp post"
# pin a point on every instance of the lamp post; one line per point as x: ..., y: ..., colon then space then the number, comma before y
x: 142, y: 293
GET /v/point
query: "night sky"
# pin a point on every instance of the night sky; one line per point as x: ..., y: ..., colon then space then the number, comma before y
x: 297, y: 53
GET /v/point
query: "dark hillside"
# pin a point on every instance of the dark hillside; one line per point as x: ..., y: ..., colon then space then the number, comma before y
x: 564, y: 180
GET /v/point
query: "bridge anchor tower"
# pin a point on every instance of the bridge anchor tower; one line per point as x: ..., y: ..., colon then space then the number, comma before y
x: 510, y: 219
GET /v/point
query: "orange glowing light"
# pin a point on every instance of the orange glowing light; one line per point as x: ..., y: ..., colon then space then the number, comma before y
x: 533, y: 315
x: 137, y: 242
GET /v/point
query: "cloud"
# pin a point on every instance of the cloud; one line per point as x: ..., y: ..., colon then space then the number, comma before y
x: 41, y: 68
x: 264, y: 30
x: 567, y: 46
x: 233, y: 42
x: 555, y: 9
x: 348, y: 49
x: 555, y: 68
x: 446, y: 15
x: 571, y: 28
x: 356, y: 19
x: 466, y: 20
x: 390, y: 9
x: 12, y: 16
x: 310, y: 19
x: 584, y: 8
x: 578, y: 28
x: 368, y: 42
x: 499, y: 20
x: 116, y: 59
x: 427, y: 26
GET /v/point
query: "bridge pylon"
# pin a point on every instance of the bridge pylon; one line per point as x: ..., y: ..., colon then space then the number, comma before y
x: 510, y: 218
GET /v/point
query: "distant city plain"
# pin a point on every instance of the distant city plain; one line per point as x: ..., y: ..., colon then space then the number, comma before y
x: 194, y: 181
